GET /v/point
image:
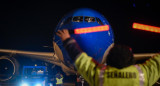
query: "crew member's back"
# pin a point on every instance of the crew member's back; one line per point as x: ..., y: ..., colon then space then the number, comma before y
x: 120, y: 69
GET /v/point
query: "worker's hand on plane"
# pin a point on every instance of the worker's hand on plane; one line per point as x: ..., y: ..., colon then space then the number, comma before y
x: 63, y: 34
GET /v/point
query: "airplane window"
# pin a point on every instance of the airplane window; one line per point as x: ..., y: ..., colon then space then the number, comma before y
x: 89, y: 19
x: 99, y: 21
x: 68, y: 20
x: 78, y: 19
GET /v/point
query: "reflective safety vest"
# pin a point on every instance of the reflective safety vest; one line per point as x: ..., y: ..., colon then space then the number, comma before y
x: 59, y: 81
x: 135, y: 75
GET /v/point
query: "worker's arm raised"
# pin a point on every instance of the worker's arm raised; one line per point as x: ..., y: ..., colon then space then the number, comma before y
x: 84, y: 64
x: 152, y: 69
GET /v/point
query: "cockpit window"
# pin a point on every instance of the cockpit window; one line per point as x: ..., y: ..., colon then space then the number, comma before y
x: 77, y: 19
x: 99, y: 21
x: 67, y: 20
x: 89, y: 19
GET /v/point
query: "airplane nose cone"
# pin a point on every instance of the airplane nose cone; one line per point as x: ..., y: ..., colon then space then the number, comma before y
x: 95, y: 43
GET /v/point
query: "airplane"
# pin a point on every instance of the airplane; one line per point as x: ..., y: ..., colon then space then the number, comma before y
x: 88, y: 27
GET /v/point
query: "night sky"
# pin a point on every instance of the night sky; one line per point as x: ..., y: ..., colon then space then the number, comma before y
x: 30, y: 25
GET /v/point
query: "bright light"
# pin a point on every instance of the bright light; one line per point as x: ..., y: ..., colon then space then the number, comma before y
x: 38, y: 85
x: 25, y: 84
x: 91, y: 29
x: 146, y: 27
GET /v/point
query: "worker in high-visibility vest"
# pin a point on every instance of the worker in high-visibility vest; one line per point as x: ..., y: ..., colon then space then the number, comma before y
x: 120, y: 69
x: 59, y: 79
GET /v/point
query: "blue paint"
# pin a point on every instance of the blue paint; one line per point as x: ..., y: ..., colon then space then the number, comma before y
x: 94, y: 44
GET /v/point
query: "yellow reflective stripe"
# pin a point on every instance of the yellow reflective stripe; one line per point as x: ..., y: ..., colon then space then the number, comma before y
x: 101, y: 77
x: 141, y: 75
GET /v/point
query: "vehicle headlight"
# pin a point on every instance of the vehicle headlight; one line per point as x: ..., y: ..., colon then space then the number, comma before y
x: 25, y: 84
x: 38, y: 85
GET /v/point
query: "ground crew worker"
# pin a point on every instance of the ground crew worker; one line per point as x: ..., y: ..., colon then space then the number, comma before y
x: 59, y: 79
x: 120, y: 69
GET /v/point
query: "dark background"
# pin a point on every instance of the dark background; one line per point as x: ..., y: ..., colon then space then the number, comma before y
x: 30, y: 25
